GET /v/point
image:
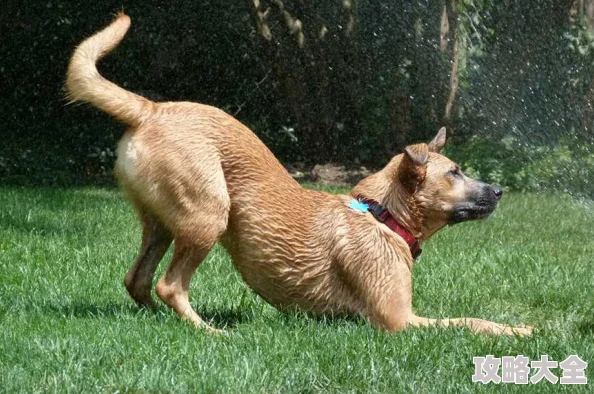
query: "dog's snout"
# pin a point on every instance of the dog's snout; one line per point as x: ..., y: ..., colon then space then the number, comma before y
x: 498, y: 191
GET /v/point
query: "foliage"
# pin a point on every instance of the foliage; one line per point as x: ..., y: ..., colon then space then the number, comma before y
x: 351, y: 82
x: 525, y: 104
x: 182, y: 50
x: 567, y: 166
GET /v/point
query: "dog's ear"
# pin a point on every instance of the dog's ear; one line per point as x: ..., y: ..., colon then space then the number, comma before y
x: 413, y: 167
x: 436, y: 145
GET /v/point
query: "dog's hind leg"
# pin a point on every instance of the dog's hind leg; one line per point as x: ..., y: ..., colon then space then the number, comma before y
x: 476, y: 325
x: 174, y: 284
x: 195, y: 234
x: 155, y: 242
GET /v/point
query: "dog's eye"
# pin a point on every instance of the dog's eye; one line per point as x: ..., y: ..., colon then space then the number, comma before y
x: 456, y: 172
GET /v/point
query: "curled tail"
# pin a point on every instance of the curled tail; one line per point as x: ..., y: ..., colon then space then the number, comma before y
x: 84, y: 83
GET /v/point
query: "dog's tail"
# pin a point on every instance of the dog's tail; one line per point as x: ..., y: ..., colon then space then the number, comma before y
x: 84, y: 83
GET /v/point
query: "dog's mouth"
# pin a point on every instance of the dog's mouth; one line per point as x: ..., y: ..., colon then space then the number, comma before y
x: 480, y: 202
x: 472, y: 211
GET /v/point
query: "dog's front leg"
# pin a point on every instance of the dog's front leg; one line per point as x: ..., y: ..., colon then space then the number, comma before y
x: 476, y: 325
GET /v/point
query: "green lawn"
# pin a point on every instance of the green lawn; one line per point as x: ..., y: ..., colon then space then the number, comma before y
x: 68, y: 324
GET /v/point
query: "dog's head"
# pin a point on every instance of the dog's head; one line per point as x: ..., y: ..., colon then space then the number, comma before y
x: 425, y: 190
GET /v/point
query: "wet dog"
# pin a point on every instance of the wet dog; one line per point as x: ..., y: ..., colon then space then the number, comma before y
x: 196, y: 176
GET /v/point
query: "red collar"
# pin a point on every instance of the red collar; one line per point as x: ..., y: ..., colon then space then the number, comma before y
x: 384, y: 216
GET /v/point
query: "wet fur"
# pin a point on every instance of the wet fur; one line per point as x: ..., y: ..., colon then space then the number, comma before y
x: 196, y: 176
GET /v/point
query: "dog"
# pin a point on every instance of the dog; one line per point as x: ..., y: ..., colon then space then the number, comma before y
x: 197, y: 176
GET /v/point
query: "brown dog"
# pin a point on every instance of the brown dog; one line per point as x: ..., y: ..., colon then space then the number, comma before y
x: 196, y: 175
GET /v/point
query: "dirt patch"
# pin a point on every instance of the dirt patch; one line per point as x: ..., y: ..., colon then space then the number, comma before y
x: 328, y: 174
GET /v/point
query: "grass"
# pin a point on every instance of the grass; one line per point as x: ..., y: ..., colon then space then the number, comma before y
x: 68, y: 324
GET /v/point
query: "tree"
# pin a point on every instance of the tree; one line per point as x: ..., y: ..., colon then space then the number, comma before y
x: 360, y: 78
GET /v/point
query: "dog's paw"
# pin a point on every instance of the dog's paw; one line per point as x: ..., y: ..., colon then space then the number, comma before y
x: 521, y: 331
x: 201, y: 325
x: 503, y: 329
x: 216, y: 331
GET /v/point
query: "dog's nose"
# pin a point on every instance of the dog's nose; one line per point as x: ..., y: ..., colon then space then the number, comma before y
x: 498, y: 191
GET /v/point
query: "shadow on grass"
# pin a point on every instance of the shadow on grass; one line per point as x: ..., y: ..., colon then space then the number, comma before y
x: 330, y: 319
x: 87, y: 310
x: 43, y: 210
x: 225, y: 318
x: 42, y: 226
x: 228, y: 318
x: 586, y: 327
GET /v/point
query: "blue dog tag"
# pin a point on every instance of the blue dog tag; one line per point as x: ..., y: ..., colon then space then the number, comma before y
x: 359, y: 206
